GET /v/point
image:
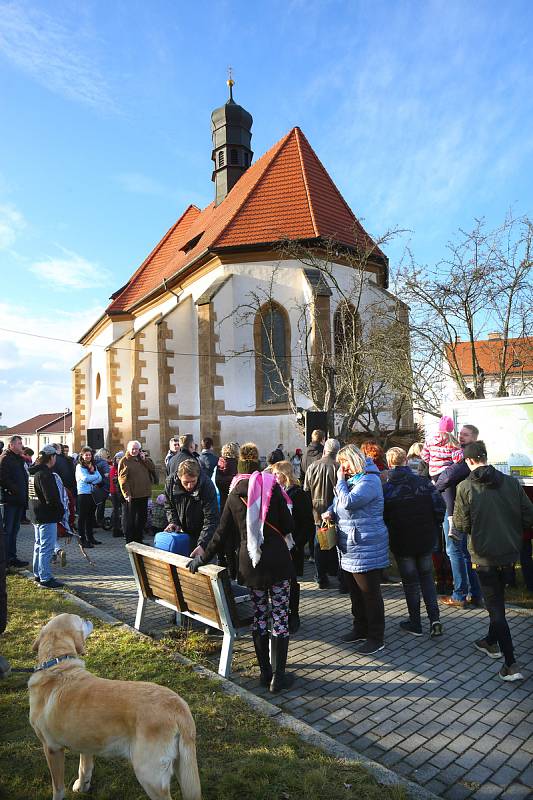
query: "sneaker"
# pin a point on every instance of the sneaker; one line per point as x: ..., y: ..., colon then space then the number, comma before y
x: 511, y: 673
x: 36, y: 579
x: 492, y: 650
x: 436, y: 629
x: 353, y: 636
x: 410, y: 627
x: 52, y: 584
x: 477, y: 602
x: 368, y: 647
x: 323, y: 583
x: 62, y: 558
x: 448, y: 600
x: 16, y: 562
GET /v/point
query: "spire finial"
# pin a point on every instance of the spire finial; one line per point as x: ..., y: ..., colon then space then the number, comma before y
x: 230, y: 82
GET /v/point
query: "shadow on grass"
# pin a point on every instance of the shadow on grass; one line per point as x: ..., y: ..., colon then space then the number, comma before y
x: 241, y: 754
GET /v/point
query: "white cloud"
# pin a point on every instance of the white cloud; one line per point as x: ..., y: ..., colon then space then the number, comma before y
x: 11, y: 224
x: 52, y: 53
x: 71, y: 272
x: 137, y: 183
x: 35, y: 369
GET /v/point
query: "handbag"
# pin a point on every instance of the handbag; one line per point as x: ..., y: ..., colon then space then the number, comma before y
x: 99, y: 494
x: 327, y: 536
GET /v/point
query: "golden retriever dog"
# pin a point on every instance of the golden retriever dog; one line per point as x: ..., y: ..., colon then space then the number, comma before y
x: 69, y: 707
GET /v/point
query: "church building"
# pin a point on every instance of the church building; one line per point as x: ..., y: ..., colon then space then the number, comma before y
x: 168, y: 355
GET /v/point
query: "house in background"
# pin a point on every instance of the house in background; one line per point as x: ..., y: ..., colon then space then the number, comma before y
x: 517, y: 362
x: 161, y: 359
x: 42, y: 429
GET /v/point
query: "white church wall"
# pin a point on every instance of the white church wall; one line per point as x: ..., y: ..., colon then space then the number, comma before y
x: 183, y: 323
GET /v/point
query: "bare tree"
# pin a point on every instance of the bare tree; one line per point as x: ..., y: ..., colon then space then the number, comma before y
x: 359, y: 373
x: 484, y: 284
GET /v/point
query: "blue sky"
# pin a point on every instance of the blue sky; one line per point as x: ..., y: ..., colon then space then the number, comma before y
x: 421, y: 111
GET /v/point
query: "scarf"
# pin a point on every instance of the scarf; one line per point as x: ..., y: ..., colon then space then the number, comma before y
x: 260, y: 488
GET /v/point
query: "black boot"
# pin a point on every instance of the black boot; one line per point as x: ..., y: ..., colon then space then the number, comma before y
x: 261, y: 644
x: 281, y: 679
x: 294, y: 606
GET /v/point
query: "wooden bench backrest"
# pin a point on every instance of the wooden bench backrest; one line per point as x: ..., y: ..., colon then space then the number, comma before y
x: 161, y: 579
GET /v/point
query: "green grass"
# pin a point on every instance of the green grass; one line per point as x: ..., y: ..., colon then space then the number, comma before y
x: 519, y: 596
x: 241, y: 754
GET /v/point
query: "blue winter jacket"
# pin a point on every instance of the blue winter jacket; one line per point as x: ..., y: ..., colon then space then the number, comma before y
x: 85, y: 480
x: 363, y: 538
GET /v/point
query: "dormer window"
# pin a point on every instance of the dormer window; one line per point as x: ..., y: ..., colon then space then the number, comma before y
x: 234, y: 156
x: 221, y: 158
x: 192, y: 242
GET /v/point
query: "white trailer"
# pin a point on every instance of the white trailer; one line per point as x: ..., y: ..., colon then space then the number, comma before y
x: 506, y: 426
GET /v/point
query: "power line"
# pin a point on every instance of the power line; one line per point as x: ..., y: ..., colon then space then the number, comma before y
x: 155, y: 352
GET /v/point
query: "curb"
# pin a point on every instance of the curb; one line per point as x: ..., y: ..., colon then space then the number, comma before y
x: 383, y: 775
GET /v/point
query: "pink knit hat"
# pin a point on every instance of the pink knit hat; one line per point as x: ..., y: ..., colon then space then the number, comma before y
x: 446, y: 425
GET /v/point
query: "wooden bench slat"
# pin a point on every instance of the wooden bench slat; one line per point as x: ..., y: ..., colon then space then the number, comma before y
x: 163, y: 578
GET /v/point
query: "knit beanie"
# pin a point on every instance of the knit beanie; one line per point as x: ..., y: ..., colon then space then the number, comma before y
x: 248, y: 459
x: 446, y: 425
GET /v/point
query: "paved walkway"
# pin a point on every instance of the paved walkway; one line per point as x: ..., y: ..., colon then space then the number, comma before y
x: 432, y: 710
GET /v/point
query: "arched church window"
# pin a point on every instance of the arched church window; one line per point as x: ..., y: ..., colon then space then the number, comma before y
x: 346, y: 330
x: 220, y: 158
x: 272, y: 348
x: 98, y: 386
x: 234, y: 156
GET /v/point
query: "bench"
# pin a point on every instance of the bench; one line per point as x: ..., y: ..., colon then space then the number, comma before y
x: 206, y: 596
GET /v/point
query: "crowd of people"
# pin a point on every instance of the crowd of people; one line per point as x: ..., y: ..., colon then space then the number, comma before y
x: 440, y: 509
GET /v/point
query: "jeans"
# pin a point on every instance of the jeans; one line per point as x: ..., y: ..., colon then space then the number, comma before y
x: 493, y: 581
x: 417, y: 575
x: 135, y: 516
x: 12, y: 518
x: 368, y: 610
x: 43, y: 549
x: 527, y: 563
x: 465, y: 580
x: 117, y: 513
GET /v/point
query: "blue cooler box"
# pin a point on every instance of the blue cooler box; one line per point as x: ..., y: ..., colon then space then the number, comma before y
x: 179, y: 543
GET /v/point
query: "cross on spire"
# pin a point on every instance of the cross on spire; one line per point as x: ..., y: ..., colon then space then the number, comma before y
x: 230, y: 82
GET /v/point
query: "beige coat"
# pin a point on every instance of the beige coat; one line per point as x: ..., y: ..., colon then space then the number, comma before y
x: 135, y: 476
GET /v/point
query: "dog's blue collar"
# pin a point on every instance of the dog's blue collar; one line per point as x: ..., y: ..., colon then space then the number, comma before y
x: 53, y: 662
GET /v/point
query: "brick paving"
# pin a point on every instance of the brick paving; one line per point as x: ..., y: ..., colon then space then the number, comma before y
x: 434, y: 711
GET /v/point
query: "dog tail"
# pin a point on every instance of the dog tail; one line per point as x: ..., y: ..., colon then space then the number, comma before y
x: 187, y: 773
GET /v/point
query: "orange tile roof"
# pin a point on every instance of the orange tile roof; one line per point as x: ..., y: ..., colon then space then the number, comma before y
x: 286, y: 194
x: 488, y: 352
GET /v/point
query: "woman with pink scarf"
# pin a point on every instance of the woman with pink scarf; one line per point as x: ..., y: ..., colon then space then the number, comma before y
x: 257, y: 514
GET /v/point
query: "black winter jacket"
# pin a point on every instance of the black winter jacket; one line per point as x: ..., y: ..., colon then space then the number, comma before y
x: 304, y: 525
x: 413, y: 511
x: 314, y: 451
x: 67, y: 471
x: 448, y: 480
x: 182, y: 455
x: 13, y: 479
x: 226, y: 471
x: 495, y: 511
x: 45, y: 502
x: 195, y: 512
x: 275, y: 564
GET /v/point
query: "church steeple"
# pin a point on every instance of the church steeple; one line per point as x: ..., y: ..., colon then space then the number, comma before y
x: 231, y: 130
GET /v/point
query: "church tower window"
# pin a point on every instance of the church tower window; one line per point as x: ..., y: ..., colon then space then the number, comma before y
x: 220, y: 158
x: 272, y: 359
